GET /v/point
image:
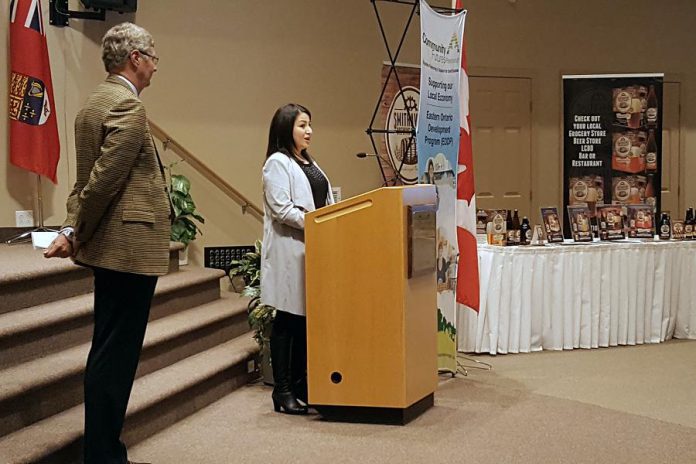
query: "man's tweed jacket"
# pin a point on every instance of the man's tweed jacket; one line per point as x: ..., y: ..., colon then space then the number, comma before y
x: 119, y: 206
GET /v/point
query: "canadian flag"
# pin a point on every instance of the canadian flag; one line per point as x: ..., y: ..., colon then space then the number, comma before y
x: 34, y: 143
x: 467, y: 269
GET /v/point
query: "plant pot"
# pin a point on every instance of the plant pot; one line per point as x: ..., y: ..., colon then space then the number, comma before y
x: 238, y: 283
x: 265, y: 362
x: 183, y: 256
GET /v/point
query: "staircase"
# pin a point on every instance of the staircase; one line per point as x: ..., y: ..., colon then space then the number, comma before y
x: 197, y: 349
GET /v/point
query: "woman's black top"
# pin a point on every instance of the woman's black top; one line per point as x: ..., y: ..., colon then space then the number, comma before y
x: 319, y: 184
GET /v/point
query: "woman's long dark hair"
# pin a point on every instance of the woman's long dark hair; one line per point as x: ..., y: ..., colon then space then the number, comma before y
x: 280, y: 135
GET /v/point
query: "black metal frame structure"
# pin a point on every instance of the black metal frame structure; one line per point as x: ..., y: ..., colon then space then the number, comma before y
x: 59, y: 14
x: 371, y: 130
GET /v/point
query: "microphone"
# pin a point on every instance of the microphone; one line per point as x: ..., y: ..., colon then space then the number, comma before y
x: 364, y: 155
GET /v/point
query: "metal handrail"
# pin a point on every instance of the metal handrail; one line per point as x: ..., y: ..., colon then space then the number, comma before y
x: 168, y: 142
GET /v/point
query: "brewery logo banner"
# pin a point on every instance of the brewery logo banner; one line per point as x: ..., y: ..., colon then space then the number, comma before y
x: 612, y: 142
x: 437, y: 135
x: 398, y: 111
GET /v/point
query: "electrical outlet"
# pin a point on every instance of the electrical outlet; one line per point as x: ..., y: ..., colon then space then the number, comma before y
x: 251, y: 366
x: 24, y: 218
x: 336, y: 192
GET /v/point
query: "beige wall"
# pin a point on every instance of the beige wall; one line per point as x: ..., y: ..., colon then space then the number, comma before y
x: 227, y: 64
x: 544, y: 39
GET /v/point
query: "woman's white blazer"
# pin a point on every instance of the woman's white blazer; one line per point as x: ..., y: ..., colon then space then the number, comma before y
x: 287, y: 196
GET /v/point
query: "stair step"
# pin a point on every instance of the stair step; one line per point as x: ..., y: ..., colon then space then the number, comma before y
x: 28, y: 279
x: 32, y: 332
x: 174, y: 248
x: 45, y: 386
x: 158, y: 400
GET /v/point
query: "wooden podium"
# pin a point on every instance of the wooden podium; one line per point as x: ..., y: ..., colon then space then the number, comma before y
x: 371, y: 305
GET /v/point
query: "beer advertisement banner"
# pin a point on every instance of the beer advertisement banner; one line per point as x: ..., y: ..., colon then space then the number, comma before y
x: 612, y: 142
x: 398, y: 111
x: 437, y: 136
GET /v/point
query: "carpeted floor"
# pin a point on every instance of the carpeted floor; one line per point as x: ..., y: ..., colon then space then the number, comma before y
x: 617, y: 405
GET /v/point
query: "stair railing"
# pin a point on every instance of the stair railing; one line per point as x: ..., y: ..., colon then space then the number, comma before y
x: 169, y: 143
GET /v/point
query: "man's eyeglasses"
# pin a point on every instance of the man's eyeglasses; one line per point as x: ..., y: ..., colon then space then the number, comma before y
x: 155, y: 59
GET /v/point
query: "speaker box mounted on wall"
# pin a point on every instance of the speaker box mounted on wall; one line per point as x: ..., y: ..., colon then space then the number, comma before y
x: 122, y: 6
x: 60, y: 14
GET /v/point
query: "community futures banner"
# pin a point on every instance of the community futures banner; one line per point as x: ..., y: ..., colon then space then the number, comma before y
x: 437, y: 136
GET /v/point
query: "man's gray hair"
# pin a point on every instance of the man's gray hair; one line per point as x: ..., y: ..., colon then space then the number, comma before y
x: 119, y: 41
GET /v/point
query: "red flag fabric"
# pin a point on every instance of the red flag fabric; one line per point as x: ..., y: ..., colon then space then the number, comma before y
x: 34, y: 143
x: 467, y: 269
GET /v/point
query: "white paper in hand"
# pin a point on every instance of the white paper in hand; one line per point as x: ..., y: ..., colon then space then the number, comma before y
x: 43, y: 239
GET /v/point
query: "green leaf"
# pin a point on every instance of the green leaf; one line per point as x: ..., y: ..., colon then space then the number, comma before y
x: 180, y: 184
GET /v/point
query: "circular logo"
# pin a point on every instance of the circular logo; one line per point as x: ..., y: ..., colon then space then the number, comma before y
x: 623, y: 101
x: 622, y: 146
x: 580, y: 190
x: 498, y: 223
x: 622, y: 190
x: 401, y: 147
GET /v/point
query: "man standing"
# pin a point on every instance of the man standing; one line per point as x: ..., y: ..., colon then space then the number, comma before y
x: 118, y: 225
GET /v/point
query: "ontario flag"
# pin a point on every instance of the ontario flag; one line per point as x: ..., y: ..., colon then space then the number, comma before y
x: 34, y: 143
x: 467, y: 268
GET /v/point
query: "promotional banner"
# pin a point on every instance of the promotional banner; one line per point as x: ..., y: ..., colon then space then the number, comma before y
x: 437, y: 135
x: 34, y: 143
x: 398, y: 111
x: 612, y: 144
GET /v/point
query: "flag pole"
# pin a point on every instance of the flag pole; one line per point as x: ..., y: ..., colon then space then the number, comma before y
x: 26, y: 236
x: 39, y: 197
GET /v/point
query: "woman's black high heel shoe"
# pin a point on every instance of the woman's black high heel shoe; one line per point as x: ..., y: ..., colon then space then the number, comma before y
x: 284, y: 399
x: 287, y: 403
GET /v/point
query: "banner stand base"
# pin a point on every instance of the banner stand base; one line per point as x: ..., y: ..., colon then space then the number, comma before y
x: 26, y: 236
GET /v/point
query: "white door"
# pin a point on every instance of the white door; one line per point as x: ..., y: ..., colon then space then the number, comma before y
x: 500, y: 109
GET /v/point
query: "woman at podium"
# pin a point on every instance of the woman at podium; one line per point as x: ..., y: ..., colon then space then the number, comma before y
x: 293, y: 184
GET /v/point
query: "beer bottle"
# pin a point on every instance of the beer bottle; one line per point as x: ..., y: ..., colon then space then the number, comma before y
x: 481, y: 220
x: 665, y: 227
x: 651, y: 153
x: 516, y: 227
x: 689, y: 224
x: 525, y: 232
x: 651, y: 107
x: 510, y: 231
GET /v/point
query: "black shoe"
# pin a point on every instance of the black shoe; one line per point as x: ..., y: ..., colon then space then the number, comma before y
x: 287, y: 403
x: 284, y: 399
x: 300, y: 390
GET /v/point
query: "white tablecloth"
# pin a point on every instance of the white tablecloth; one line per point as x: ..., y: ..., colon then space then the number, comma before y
x: 581, y: 296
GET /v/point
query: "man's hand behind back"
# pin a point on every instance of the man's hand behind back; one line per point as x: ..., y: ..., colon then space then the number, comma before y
x: 61, y: 247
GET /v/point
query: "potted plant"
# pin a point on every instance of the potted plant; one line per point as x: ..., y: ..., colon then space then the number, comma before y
x: 183, y: 229
x: 260, y: 316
